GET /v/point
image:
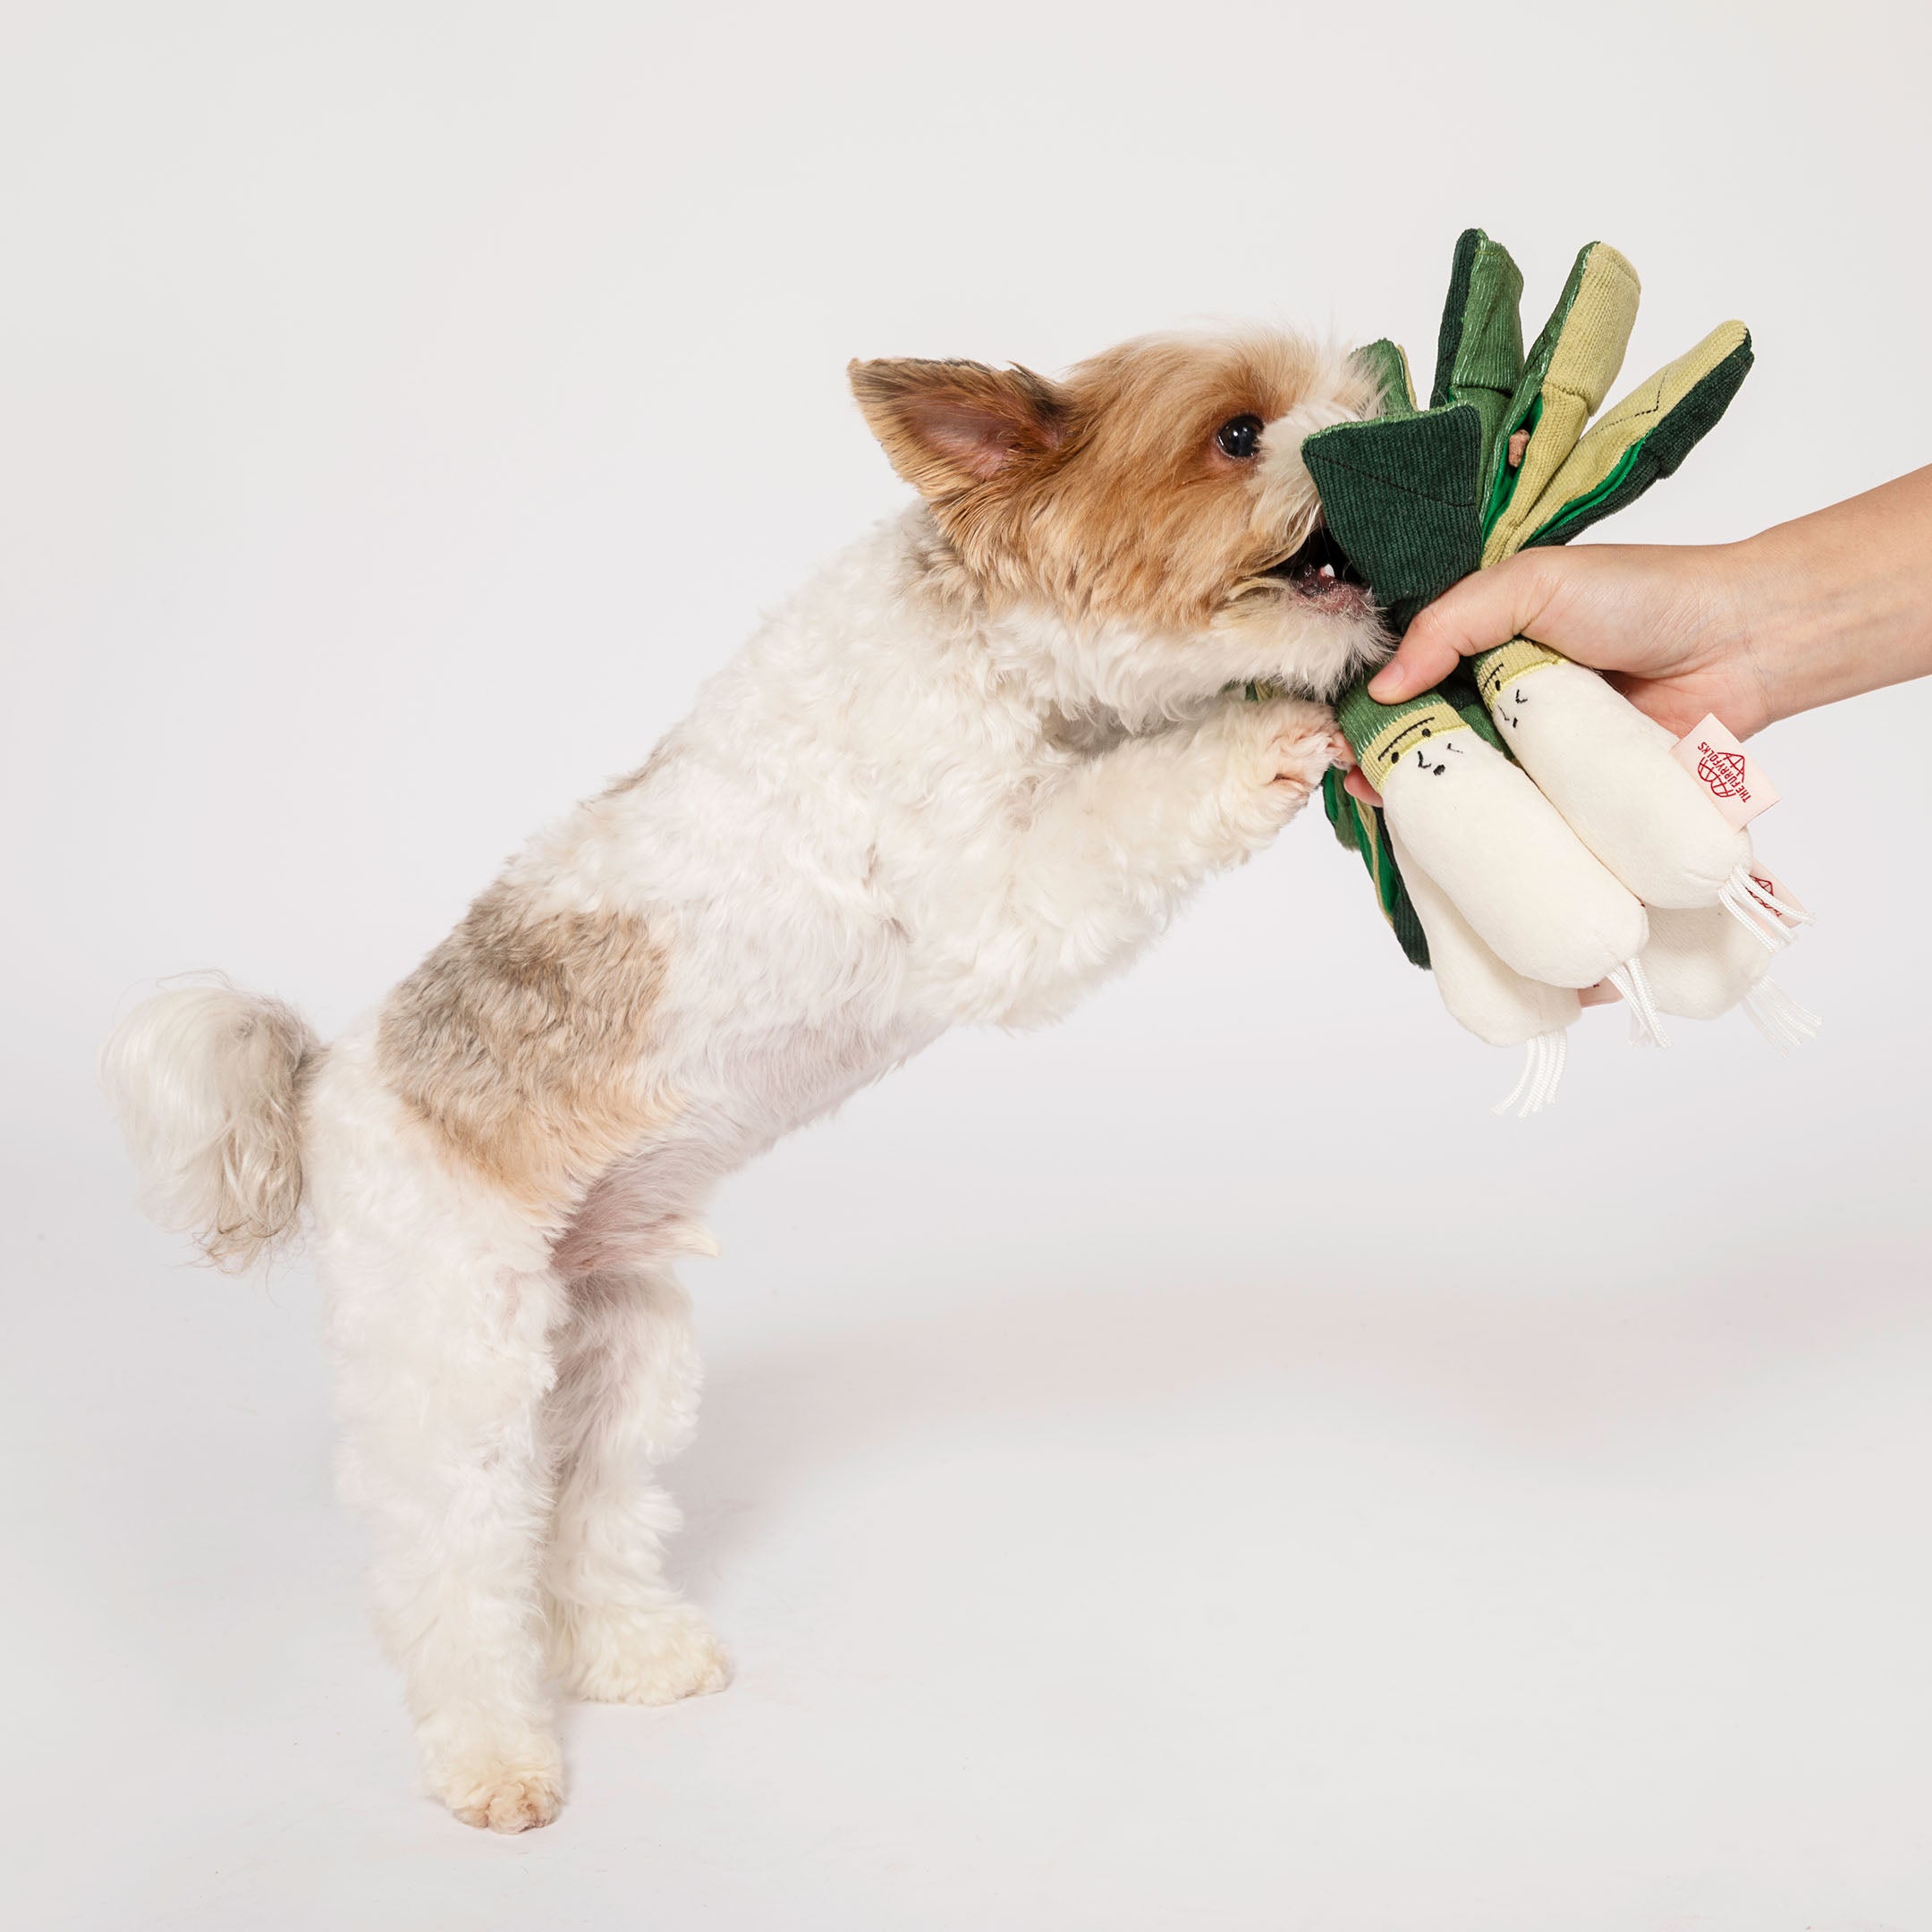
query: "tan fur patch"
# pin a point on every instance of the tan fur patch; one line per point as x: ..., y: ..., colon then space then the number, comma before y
x: 1105, y: 494
x: 519, y: 1042
x: 632, y: 781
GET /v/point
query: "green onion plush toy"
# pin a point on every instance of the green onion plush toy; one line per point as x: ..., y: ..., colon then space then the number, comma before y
x: 1538, y: 835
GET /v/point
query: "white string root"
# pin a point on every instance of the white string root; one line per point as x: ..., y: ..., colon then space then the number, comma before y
x: 1779, y: 1017
x: 1542, y: 1074
x: 1631, y: 980
x: 1748, y: 902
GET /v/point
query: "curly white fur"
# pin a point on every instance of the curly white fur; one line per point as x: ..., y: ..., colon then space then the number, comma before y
x: 897, y: 811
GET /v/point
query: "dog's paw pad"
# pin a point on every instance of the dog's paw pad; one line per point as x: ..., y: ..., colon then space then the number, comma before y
x: 628, y: 1656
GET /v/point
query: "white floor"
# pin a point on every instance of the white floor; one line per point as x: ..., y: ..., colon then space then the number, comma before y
x: 1133, y: 1513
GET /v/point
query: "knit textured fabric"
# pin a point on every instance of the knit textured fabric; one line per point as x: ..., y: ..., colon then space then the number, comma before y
x: 1415, y: 498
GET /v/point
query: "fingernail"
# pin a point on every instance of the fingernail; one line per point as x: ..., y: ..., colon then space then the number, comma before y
x: 1388, y: 683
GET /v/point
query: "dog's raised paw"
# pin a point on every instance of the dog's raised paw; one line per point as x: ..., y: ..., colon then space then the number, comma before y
x: 508, y: 1800
x: 619, y: 1656
x: 1306, y: 743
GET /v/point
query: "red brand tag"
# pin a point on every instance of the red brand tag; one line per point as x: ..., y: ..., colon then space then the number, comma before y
x: 1733, y: 779
x: 1769, y: 882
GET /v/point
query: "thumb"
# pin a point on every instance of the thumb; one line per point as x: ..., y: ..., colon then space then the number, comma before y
x: 1487, y: 608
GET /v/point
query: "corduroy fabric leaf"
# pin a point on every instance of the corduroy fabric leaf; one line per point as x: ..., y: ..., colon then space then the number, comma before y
x: 1478, y: 348
x: 1645, y: 438
x: 1360, y: 828
x: 1385, y: 362
x: 1579, y: 364
x: 1455, y: 312
x: 1399, y: 493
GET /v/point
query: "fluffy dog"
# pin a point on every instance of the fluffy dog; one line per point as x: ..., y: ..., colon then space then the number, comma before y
x: 966, y: 772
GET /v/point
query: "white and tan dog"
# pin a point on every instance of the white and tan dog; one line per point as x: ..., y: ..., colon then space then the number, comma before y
x: 967, y: 772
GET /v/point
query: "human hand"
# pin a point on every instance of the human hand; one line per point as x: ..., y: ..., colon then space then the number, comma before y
x: 1833, y: 605
x: 1665, y: 624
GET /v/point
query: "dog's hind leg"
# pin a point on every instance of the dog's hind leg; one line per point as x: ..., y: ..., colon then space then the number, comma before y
x: 442, y: 1456
x: 441, y: 1310
x: 625, y: 1399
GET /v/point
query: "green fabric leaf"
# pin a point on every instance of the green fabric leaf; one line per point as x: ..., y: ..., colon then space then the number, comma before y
x: 1360, y: 828
x: 1658, y: 456
x: 1478, y: 348
x: 1335, y: 802
x: 1400, y: 498
x: 1385, y: 361
x: 1525, y: 403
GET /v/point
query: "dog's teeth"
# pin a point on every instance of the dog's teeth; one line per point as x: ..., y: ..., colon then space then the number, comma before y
x: 1328, y: 569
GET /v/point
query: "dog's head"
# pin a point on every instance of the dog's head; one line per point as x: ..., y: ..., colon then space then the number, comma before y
x: 1151, y: 506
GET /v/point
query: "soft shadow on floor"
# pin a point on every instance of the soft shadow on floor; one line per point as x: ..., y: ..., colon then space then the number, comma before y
x: 1557, y: 1374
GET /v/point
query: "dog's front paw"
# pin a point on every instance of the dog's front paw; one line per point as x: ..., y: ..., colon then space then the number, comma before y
x: 1278, y: 749
x: 501, y: 1794
x: 613, y: 1655
x: 1302, y: 741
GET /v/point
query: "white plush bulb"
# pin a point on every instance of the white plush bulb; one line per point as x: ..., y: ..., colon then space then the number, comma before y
x: 1701, y: 961
x: 1496, y: 1002
x: 1608, y: 769
x: 1514, y: 869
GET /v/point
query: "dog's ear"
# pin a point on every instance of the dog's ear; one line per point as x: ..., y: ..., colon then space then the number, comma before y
x: 952, y: 426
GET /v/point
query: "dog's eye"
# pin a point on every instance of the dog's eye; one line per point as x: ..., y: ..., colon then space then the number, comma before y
x: 1239, y: 437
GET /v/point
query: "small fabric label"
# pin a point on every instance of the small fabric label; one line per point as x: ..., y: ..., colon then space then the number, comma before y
x: 1733, y: 779
x: 1770, y: 882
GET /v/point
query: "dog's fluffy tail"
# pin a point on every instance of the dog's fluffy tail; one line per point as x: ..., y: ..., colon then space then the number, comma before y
x: 207, y: 1082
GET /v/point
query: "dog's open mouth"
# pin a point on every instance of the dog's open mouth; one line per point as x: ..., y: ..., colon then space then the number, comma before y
x: 1318, y: 570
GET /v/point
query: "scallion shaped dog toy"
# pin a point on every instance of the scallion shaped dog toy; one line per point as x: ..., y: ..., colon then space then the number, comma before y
x: 1538, y: 835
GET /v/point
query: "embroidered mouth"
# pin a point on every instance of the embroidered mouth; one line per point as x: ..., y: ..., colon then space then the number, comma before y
x: 1318, y: 572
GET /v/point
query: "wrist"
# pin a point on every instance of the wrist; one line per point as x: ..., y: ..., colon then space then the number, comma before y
x: 1837, y: 600
x: 1747, y: 644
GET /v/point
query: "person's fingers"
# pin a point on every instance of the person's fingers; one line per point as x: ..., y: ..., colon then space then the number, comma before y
x: 1357, y: 786
x: 1487, y: 608
x: 1603, y: 994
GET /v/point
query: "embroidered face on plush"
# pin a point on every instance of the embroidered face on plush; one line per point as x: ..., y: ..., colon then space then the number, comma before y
x: 1157, y: 489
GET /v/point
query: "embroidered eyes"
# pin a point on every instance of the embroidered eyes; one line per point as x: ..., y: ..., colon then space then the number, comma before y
x: 1239, y: 436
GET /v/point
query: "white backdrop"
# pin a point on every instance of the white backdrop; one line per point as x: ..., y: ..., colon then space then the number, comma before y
x: 1191, y: 1468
